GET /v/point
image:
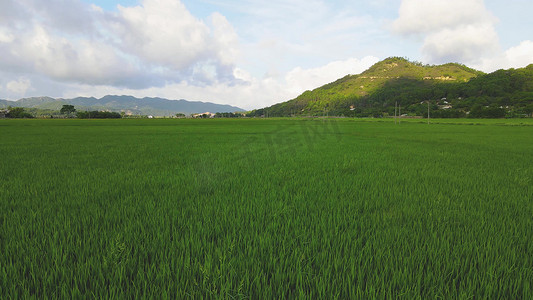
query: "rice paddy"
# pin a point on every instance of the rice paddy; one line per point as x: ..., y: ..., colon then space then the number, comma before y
x: 266, y: 208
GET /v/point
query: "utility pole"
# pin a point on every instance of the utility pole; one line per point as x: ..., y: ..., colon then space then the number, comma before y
x: 395, y: 108
x: 428, y: 112
x: 400, y: 114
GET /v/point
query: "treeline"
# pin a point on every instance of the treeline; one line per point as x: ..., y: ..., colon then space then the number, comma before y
x: 98, y: 115
x: 229, y: 115
x: 67, y: 111
x: 16, y: 113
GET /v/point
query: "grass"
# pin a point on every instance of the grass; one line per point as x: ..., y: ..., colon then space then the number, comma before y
x: 250, y: 209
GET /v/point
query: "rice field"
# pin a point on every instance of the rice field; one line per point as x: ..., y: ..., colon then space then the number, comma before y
x: 266, y: 209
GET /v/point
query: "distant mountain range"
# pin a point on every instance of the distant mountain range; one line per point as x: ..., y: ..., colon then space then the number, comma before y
x: 452, y: 90
x: 127, y: 104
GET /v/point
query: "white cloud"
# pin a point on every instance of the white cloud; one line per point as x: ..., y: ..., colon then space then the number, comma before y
x: 18, y: 87
x: 164, y: 35
x: 299, y: 80
x: 225, y: 39
x: 515, y: 57
x: 520, y: 56
x: 163, y: 32
x: 38, y: 50
x: 460, y: 31
x: 423, y: 16
x: 151, y: 44
x: 464, y: 44
x: 452, y: 30
x: 6, y: 36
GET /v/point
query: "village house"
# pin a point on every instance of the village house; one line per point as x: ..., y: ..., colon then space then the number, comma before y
x: 204, y: 115
x: 3, y: 113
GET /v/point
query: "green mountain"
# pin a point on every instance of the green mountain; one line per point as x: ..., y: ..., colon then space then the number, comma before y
x: 127, y: 104
x: 453, y: 90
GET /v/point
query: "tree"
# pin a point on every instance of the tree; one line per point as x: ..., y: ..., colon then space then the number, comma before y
x: 180, y: 115
x: 67, y: 109
x: 528, y: 110
x: 18, y: 113
x: 98, y: 115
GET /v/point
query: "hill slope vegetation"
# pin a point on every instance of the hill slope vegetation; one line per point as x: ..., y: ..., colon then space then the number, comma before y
x: 453, y: 90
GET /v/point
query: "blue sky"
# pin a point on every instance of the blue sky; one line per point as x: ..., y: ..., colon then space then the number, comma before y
x: 111, y: 5
x: 248, y: 53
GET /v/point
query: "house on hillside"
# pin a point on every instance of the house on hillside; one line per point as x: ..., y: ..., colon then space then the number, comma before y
x: 3, y: 113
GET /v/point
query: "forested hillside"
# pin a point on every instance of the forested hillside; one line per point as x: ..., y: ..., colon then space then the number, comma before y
x: 452, y: 90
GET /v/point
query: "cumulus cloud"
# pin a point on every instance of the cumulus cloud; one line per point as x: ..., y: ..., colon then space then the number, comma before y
x: 18, y: 87
x: 520, y: 56
x: 38, y: 50
x: 423, y: 16
x: 465, y: 44
x: 515, y: 57
x: 452, y: 30
x: 226, y: 39
x: 299, y: 80
x: 6, y: 36
x: 162, y: 32
x: 164, y: 35
x: 151, y: 44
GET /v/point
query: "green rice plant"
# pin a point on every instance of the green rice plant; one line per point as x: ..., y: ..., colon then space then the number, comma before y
x: 254, y: 208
